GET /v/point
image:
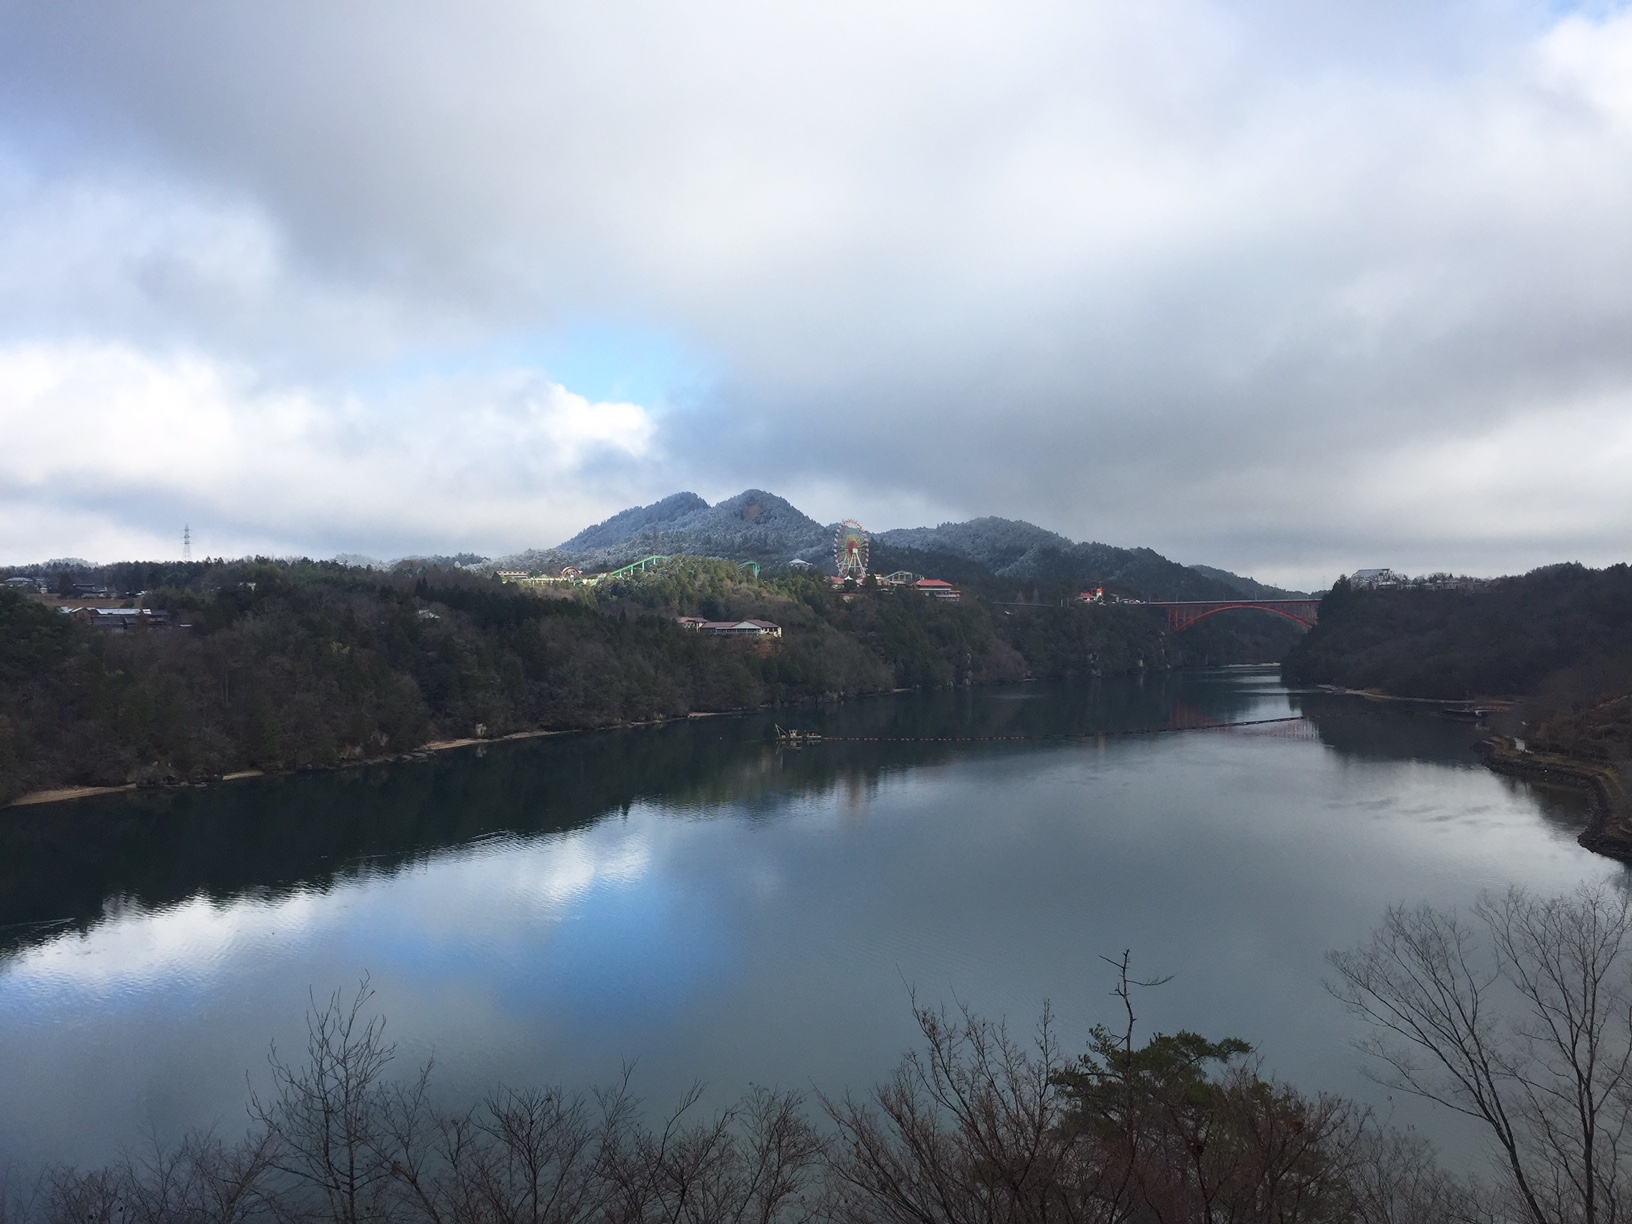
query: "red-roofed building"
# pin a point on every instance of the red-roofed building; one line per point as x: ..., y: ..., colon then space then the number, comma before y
x: 936, y: 589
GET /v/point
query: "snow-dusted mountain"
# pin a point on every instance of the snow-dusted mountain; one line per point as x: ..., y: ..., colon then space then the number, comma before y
x: 752, y: 526
x: 1015, y: 550
x: 759, y: 526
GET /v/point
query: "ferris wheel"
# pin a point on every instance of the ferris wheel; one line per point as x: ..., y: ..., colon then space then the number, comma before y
x: 850, y: 550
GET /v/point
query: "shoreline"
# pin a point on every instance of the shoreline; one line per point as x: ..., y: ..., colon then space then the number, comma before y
x: 1489, y: 703
x: 1609, y: 828
x: 66, y: 794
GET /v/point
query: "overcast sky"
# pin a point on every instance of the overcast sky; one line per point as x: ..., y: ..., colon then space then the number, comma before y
x: 1287, y: 287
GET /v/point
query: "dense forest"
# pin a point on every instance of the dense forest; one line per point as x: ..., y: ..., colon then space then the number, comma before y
x: 290, y: 665
x: 1560, y: 636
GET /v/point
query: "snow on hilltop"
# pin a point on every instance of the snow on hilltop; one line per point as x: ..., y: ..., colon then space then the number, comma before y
x: 759, y: 526
x: 752, y: 526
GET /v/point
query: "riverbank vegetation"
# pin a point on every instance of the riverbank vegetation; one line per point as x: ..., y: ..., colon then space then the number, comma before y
x: 298, y: 665
x: 1515, y: 1016
x: 1593, y: 731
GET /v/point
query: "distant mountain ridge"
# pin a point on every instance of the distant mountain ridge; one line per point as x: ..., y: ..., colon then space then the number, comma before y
x: 1024, y: 552
x: 759, y: 526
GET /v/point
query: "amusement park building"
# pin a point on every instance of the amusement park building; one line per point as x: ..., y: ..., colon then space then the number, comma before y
x: 745, y: 628
x: 936, y: 589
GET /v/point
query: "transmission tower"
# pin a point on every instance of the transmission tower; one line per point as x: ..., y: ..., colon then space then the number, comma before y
x: 186, y: 542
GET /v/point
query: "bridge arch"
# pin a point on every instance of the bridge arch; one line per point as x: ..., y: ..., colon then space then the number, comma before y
x: 1182, y: 614
x: 1306, y: 622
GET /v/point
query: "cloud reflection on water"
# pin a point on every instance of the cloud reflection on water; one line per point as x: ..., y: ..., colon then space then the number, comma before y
x: 700, y: 902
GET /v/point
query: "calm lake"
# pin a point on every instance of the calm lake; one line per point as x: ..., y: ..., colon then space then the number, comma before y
x: 695, y: 900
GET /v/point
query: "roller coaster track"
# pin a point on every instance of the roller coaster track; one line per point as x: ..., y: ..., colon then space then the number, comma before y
x: 634, y: 567
x: 652, y: 562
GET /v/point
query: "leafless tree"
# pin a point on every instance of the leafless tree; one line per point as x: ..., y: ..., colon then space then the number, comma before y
x: 17, y: 1194
x: 1522, y: 1020
x: 521, y: 1157
x: 1396, y: 1179
x: 71, y: 1197
x: 326, y: 1122
x: 201, y: 1180
x: 756, y: 1163
x: 968, y: 1129
x: 975, y: 1127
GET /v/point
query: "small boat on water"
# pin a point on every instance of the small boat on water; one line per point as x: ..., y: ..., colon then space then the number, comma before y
x: 795, y: 738
x: 1472, y: 714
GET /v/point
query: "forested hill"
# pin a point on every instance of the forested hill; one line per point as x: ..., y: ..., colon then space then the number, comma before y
x: 1013, y: 551
x: 293, y: 665
x: 1247, y: 588
x: 1562, y: 634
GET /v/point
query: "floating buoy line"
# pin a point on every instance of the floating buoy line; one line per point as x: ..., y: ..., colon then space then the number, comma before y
x: 798, y: 739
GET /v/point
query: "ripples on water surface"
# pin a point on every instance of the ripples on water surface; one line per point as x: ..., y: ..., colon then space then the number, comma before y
x: 695, y: 899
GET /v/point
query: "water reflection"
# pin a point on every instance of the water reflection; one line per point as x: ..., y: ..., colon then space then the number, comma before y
x: 699, y: 898
x: 1386, y: 731
x: 69, y: 865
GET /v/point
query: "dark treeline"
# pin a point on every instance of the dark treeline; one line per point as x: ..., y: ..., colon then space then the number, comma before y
x: 291, y: 665
x: 1562, y: 635
x: 1515, y: 1016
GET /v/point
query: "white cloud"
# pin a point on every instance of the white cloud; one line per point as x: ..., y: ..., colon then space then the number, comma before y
x: 1546, y: 475
x: 137, y: 443
x: 1090, y: 263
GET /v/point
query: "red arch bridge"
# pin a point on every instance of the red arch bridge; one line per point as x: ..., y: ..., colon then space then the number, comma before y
x: 1182, y: 614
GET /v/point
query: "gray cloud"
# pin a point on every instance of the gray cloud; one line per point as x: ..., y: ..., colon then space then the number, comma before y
x: 1285, y: 287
